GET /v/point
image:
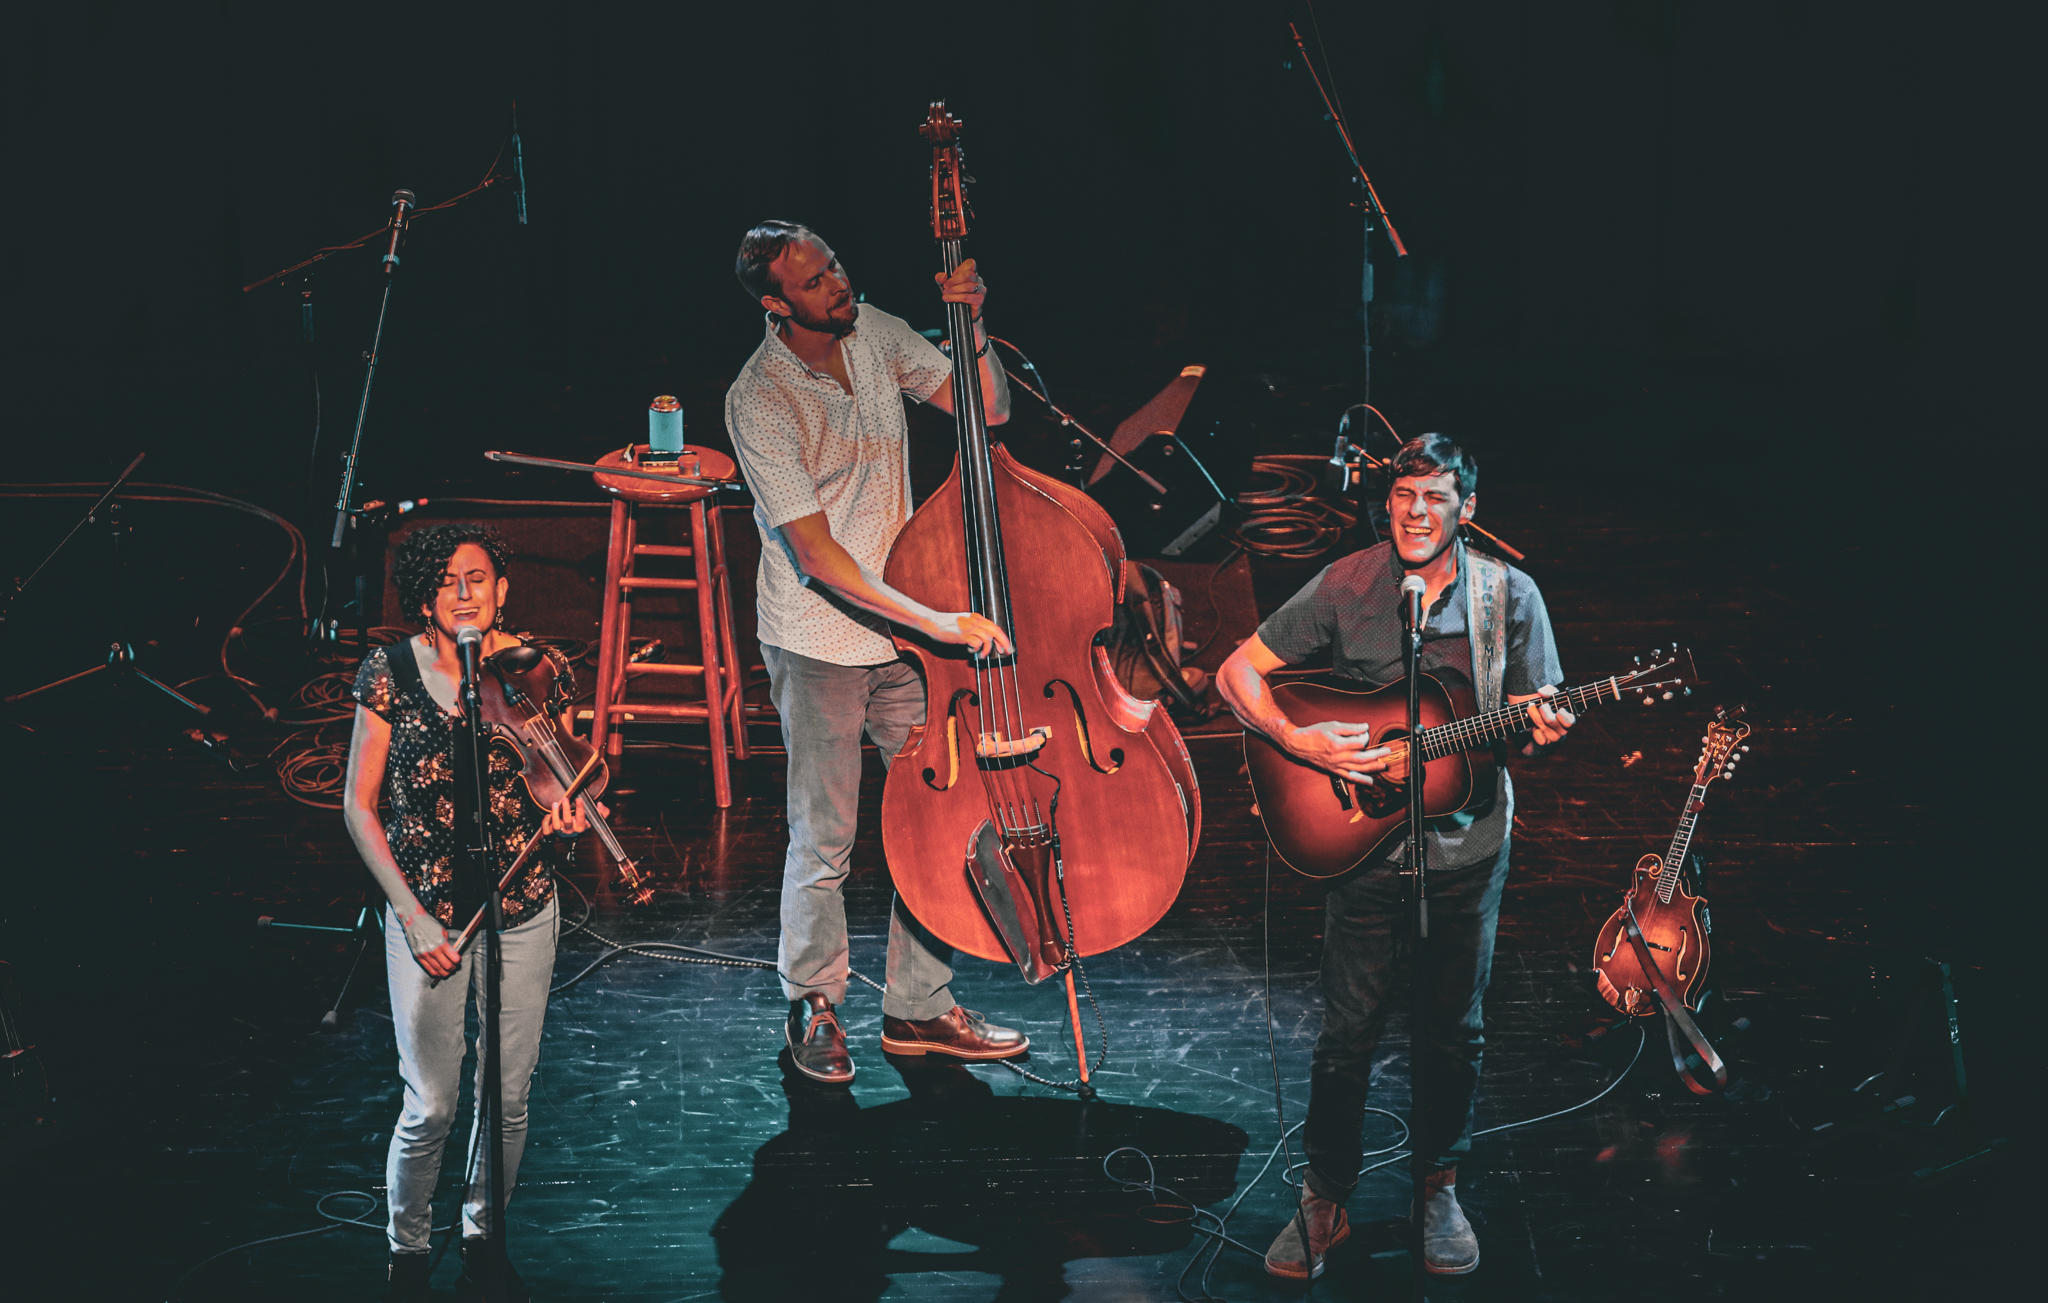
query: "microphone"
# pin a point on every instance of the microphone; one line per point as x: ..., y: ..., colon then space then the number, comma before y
x: 469, y: 640
x: 402, y: 201
x: 1412, y: 589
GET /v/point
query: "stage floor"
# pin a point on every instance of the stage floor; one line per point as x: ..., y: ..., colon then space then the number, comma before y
x: 199, y: 1106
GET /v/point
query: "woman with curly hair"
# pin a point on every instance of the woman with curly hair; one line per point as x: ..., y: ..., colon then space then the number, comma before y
x: 405, y: 756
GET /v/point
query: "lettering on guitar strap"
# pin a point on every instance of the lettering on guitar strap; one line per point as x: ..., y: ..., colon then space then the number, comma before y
x: 1486, y: 602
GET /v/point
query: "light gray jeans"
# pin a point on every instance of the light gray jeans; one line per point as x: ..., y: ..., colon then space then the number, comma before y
x: 825, y: 708
x: 429, y: 1023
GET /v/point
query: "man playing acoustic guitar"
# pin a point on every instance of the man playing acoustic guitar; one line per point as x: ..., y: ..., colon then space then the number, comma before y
x: 1353, y: 609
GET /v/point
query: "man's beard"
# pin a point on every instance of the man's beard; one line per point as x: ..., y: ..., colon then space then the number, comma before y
x: 827, y: 325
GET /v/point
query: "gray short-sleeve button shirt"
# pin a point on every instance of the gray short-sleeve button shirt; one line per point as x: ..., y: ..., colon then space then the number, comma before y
x: 805, y: 445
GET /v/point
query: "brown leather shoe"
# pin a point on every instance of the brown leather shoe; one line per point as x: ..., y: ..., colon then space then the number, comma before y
x: 817, y: 1043
x: 962, y: 1033
x: 1328, y: 1226
x: 1450, y: 1247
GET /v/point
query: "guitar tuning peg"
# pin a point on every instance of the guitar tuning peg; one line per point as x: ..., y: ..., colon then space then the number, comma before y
x: 1667, y: 694
x: 1745, y: 748
x: 1645, y: 698
x: 1686, y: 691
x: 1637, y: 660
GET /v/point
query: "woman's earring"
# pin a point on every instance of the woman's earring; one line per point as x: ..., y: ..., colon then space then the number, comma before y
x: 428, y: 633
x: 499, y: 623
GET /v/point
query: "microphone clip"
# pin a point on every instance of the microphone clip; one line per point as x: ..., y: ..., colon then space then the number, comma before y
x: 402, y: 202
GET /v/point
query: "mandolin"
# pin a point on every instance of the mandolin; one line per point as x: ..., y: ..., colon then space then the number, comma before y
x: 1673, y: 922
x: 1324, y: 825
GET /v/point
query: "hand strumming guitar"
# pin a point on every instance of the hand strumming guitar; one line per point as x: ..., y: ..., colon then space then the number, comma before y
x: 1343, y: 749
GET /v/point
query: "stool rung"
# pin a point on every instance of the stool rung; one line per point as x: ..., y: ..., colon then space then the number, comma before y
x: 635, y: 581
x: 661, y: 667
x: 644, y: 710
x: 661, y: 549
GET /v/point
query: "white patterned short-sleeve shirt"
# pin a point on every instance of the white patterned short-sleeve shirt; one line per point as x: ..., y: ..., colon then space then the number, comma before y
x: 805, y: 445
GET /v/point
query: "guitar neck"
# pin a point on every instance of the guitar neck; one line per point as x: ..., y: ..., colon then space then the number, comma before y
x: 1506, y: 721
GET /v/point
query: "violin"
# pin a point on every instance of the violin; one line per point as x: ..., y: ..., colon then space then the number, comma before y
x: 550, y: 759
x: 1040, y: 813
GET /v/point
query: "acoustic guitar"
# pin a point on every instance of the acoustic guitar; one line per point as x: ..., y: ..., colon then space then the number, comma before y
x: 1323, y: 825
x: 1673, y: 922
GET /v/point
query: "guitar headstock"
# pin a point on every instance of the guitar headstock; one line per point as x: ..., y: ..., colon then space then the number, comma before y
x: 1721, y: 749
x: 1645, y: 681
x: 949, y: 176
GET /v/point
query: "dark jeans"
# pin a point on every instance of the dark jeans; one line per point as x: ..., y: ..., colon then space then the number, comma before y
x: 1366, y: 930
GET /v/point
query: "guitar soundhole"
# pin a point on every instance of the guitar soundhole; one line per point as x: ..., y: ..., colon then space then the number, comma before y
x: 1383, y: 799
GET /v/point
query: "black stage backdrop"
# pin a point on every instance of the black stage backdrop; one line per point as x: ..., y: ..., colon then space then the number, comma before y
x: 1641, y: 231
x: 1754, y: 261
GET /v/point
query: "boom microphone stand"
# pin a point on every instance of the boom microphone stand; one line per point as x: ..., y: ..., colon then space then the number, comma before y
x: 121, y: 660
x: 1369, y: 204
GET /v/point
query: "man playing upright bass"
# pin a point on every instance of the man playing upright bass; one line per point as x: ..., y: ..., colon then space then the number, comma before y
x: 1478, y: 612
x: 818, y: 422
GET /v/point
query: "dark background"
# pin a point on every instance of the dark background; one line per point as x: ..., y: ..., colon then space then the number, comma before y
x: 1641, y: 230
x: 1751, y: 267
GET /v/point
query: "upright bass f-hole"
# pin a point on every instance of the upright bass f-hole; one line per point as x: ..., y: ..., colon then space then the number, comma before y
x: 952, y: 742
x: 1116, y: 754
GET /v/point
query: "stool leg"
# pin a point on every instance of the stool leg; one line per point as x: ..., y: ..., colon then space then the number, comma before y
x: 622, y: 648
x: 714, y: 670
x: 610, y: 637
x: 729, y: 656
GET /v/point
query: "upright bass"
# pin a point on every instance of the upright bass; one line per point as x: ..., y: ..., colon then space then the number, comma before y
x: 1040, y: 812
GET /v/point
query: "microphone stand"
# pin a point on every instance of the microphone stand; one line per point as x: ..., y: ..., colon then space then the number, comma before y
x: 1416, y: 870
x: 345, y: 512
x: 1370, y: 206
x: 344, y: 502
x: 490, y: 1093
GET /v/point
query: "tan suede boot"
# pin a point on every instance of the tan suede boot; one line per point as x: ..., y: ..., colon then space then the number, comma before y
x: 1328, y: 1227
x: 1449, y: 1245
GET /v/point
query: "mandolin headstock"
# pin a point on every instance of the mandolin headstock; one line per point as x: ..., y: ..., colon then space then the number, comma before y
x: 949, y: 175
x: 1721, y: 749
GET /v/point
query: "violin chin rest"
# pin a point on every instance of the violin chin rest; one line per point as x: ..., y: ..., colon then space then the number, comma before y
x: 518, y: 660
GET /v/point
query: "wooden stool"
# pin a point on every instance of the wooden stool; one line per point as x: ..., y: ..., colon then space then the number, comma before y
x: 719, y: 664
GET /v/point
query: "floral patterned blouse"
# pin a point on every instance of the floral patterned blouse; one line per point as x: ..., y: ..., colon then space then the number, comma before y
x: 419, y: 792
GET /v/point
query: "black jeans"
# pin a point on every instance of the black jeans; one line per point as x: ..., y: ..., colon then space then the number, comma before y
x: 1366, y: 931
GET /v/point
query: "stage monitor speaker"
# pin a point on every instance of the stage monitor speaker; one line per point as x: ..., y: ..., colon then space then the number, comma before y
x: 1190, y: 439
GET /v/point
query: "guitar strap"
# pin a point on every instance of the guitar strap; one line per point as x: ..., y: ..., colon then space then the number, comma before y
x: 1676, y: 1019
x: 1486, y: 623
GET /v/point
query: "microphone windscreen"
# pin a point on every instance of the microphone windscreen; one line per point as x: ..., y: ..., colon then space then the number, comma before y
x: 467, y: 635
x: 1414, y: 584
